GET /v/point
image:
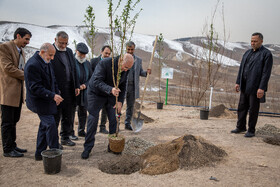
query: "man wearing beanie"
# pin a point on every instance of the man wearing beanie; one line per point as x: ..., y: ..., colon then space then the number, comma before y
x: 84, y: 73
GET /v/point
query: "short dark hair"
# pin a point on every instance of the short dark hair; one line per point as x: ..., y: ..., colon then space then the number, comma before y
x: 62, y: 34
x: 258, y: 34
x: 106, y: 46
x: 22, y: 32
x: 130, y: 44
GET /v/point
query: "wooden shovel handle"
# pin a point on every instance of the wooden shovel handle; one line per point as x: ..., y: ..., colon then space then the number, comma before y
x: 146, y: 81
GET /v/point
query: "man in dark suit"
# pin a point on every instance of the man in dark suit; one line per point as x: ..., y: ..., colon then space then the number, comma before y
x: 105, y: 53
x: 11, y: 89
x: 65, y: 74
x: 102, y: 92
x: 42, y: 96
x: 252, y: 81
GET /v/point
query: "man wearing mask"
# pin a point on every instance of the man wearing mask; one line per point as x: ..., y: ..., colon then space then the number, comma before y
x: 65, y: 74
x: 84, y: 73
x: 12, y: 63
x: 105, y: 53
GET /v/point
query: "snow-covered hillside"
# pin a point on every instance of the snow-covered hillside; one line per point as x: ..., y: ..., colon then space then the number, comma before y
x: 143, y: 42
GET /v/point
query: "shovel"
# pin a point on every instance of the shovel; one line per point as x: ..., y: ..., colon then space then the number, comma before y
x: 137, y: 123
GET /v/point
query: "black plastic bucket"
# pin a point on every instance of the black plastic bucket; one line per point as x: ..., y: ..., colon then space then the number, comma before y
x: 52, y: 160
x: 159, y: 105
x: 204, y: 113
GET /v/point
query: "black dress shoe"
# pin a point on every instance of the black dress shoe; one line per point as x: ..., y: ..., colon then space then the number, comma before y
x: 21, y: 150
x: 13, y: 153
x: 73, y: 137
x: 249, y: 135
x: 128, y: 127
x: 236, y: 131
x: 38, y: 157
x: 82, y: 134
x: 103, y: 130
x: 85, y: 155
x: 67, y: 142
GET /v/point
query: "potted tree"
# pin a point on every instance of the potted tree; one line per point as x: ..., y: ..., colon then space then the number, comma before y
x: 120, y: 24
x: 160, y: 49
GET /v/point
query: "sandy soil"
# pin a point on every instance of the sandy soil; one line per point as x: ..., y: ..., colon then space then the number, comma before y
x: 250, y: 162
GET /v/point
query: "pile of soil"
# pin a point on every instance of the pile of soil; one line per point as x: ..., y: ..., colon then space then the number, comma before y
x: 124, y: 164
x: 220, y: 111
x: 187, y: 152
x: 275, y: 140
x: 268, y: 130
x: 136, y: 146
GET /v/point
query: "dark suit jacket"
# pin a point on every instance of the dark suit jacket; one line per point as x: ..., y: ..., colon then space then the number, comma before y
x: 101, y: 83
x: 60, y: 72
x: 40, y: 86
x: 259, y: 71
x: 94, y: 62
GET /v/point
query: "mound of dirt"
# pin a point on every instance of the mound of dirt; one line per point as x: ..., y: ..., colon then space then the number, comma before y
x: 187, y: 152
x: 220, y: 111
x: 125, y: 164
x: 275, y: 140
x: 136, y: 146
x: 268, y: 130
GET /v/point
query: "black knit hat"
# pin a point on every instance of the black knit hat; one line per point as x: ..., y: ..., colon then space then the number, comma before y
x: 82, y: 48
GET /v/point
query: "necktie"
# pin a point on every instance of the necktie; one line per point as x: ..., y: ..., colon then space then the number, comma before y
x: 21, y: 61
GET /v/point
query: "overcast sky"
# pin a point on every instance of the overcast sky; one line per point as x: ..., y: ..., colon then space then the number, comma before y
x: 173, y: 18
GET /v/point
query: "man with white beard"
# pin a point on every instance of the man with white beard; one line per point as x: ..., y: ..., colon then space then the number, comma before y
x: 84, y: 72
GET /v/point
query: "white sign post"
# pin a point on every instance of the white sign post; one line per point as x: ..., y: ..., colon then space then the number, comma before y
x: 166, y: 73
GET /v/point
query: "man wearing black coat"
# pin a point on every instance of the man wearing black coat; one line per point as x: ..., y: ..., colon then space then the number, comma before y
x: 105, y: 53
x: 84, y: 73
x: 102, y: 92
x: 252, y: 81
x: 65, y: 73
x: 42, y: 96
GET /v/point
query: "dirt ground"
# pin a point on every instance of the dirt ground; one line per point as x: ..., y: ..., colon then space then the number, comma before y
x: 250, y: 162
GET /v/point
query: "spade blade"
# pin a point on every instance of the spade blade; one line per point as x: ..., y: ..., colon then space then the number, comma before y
x: 137, y: 124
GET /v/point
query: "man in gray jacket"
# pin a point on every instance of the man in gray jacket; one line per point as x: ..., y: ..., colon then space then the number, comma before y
x: 132, y: 89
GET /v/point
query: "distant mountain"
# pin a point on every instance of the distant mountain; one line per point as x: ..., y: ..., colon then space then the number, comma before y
x: 178, y: 54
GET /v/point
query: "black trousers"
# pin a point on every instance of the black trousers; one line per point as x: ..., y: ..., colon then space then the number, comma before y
x: 47, y: 134
x: 92, y: 122
x: 248, y: 103
x: 130, y: 100
x: 103, y: 118
x: 82, y: 116
x: 10, y: 116
x: 66, y: 113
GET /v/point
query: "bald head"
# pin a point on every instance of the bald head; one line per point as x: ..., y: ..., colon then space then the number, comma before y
x: 47, y: 52
x: 128, y: 61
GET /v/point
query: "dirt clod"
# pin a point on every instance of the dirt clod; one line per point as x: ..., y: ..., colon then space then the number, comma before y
x: 275, y: 140
x: 187, y: 152
x: 268, y: 130
x: 220, y: 111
